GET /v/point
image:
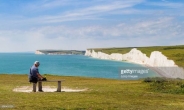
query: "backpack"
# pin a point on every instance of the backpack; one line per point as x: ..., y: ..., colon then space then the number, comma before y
x: 30, y: 76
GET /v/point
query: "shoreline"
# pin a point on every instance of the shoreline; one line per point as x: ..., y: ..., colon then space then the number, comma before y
x: 158, y: 71
x: 157, y: 62
x: 155, y: 69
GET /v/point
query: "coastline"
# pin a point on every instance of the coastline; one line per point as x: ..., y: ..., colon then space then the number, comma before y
x: 158, y: 71
x: 156, y: 62
x: 155, y: 69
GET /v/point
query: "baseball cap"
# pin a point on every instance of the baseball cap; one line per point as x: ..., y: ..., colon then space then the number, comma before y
x: 37, y: 63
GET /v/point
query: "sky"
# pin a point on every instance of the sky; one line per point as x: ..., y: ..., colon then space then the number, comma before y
x: 29, y: 25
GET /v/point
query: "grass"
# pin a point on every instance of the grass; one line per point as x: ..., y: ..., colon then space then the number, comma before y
x: 102, y: 94
x: 166, y: 85
x: 175, y: 53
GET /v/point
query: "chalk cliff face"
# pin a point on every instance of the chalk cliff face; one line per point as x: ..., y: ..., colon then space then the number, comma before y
x: 38, y: 52
x: 157, y: 61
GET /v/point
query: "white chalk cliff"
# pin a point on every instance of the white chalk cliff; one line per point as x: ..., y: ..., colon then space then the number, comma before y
x: 38, y: 52
x: 157, y: 61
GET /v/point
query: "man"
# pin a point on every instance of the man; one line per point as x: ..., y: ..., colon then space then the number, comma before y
x: 34, y: 75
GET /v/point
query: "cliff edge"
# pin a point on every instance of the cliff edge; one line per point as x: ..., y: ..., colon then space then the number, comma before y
x: 157, y: 61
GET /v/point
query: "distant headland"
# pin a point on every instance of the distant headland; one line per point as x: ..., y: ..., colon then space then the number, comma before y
x: 60, y: 52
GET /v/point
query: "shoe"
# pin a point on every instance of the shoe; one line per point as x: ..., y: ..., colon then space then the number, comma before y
x: 40, y: 90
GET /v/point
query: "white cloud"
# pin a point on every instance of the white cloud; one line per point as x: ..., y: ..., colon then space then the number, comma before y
x: 161, y: 31
x: 166, y: 4
x: 132, y: 27
x: 95, y: 11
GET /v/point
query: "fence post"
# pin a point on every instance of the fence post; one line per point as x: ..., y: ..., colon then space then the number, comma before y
x: 39, y: 86
x: 59, y: 86
x: 34, y: 87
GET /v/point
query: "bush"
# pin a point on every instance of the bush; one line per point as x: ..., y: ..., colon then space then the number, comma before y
x: 155, y: 79
x: 165, y: 85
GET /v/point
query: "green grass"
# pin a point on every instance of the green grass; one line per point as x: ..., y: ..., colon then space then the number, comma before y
x: 102, y: 94
x: 166, y: 85
x: 175, y: 53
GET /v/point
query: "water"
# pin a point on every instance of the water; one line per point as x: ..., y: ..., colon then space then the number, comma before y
x: 68, y: 65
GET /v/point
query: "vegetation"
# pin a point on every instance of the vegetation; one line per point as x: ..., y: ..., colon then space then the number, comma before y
x: 102, y: 94
x: 175, y: 53
x: 166, y: 85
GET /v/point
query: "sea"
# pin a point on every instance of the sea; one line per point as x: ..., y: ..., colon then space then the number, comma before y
x: 73, y: 65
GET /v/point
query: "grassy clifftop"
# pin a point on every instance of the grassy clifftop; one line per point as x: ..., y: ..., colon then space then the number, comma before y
x: 101, y: 94
x: 175, y: 53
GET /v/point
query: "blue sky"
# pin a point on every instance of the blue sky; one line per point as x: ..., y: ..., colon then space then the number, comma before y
x: 28, y: 25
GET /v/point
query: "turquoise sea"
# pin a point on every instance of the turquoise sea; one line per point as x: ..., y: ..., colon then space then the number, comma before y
x: 69, y: 65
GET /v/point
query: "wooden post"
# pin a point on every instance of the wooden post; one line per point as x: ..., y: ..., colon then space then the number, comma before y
x: 34, y: 87
x: 40, y: 86
x: 59, y: 86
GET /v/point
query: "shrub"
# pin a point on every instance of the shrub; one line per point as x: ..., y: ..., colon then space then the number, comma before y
x: 155, y: 79
x: 165, y: 85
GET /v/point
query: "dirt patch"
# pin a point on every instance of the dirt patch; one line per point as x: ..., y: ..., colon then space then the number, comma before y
x: 46, y: 89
